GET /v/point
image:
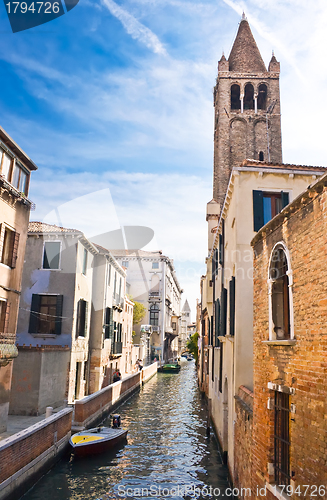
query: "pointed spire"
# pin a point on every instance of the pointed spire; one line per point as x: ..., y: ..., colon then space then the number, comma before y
x: 245, y: 56
x: 274, y: 65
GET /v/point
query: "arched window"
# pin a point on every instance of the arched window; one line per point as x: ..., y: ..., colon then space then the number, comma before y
x: 235, y: 101
x: 280, y: 292
x: 261, y: 156
x: 249, y: 96
x: 262, y: 96
x: 154, y: 315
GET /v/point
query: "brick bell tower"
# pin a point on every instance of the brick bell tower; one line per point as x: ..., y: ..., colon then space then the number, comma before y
x: 247, y: 103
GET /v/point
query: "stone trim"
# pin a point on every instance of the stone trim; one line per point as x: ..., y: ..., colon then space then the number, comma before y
x: 290, y: 342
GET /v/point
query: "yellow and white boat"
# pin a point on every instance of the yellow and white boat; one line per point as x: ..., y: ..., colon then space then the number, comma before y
x: 96, y: 440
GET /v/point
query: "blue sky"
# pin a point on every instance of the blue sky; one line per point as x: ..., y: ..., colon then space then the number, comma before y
x: 117, y: 96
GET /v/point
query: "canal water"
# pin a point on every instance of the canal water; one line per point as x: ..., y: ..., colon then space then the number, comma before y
x: 167, y: 454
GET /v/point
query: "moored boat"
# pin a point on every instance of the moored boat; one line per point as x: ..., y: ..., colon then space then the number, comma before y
x: 98, y: 439
x: 171, y: 368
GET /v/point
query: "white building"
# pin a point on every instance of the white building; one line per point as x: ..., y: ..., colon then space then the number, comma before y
x: 153, y: 282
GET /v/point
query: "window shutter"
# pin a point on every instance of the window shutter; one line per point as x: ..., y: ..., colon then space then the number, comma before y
x: 107, y: 323
x: 6, y: 325
x: 285, y: 199
x: 257, y: 210
x: 232, y: 306
x: 107, y: 316
x: 223, y: 315
x: 34, y: 316
x: 78, y: 318
x: 217, y: 322
x: 211, y: 331
x: 14, y: 250
x: 216, y: 260
x: 86, y: 317
x: 214, y: 264
x: 58, y: 320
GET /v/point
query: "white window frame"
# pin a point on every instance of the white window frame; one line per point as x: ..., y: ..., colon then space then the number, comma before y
x: 289, y: 272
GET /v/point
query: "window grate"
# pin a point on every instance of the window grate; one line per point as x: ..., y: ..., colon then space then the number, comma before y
x: 282, y: 439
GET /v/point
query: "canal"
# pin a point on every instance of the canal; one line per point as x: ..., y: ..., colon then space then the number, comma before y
x: 167, y: 454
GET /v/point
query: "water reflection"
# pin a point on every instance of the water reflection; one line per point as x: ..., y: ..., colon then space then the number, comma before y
x: 167, y: 454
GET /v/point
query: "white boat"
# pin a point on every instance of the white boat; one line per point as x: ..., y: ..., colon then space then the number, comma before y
x: 97, y: 440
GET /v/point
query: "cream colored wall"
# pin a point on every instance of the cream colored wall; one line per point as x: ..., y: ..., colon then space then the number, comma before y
x: 80, y: 345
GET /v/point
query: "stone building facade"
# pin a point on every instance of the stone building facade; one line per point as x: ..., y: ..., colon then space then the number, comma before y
x: 15, y: 206
x: 290, y: 350
x: 243, y: 94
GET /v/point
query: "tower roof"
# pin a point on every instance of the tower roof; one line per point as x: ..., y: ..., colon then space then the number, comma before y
x: 186, y: 307
x: 245, y: 56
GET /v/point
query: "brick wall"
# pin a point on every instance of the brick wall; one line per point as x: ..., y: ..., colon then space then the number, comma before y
x: 300, y: 368
x: 22, y: 448
x: 243, y: 440
x: 92, y: 407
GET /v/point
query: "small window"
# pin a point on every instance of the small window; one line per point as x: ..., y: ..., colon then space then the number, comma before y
x: 235, y: 97
x: 174, y: 325
x: 108, y: 324
x: 280, y: 295
x: 261, y: 156
x: 82, y: 318
x: 9, y: 247
x: 155, y: 265
x: 249, y: 96
x: 4, y: 316
x: 124, y: 263
x: 282, y: 438
x: 19, y: 178
x: 154, y: 315
x: 51, y: 255
x: 6, y: 166
x: 266, y: 205
x: 84, y: 262
x: 46, y: 314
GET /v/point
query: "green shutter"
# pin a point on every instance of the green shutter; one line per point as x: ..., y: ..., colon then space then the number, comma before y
x: 78, y: 317
x: 257, y: 210
x: 232, y: 306
x: 285, y: 199
x: 34, y: 316
x: 58, y: 320
x: 217, y: 322
x: 223, y: 316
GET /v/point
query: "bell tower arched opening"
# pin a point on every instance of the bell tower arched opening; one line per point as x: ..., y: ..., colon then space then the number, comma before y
x: 248, y: 96
x: 235, y: 99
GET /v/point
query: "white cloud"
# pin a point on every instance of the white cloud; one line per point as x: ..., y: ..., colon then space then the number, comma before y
x: 172, y: 205
x: 134, y: 28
